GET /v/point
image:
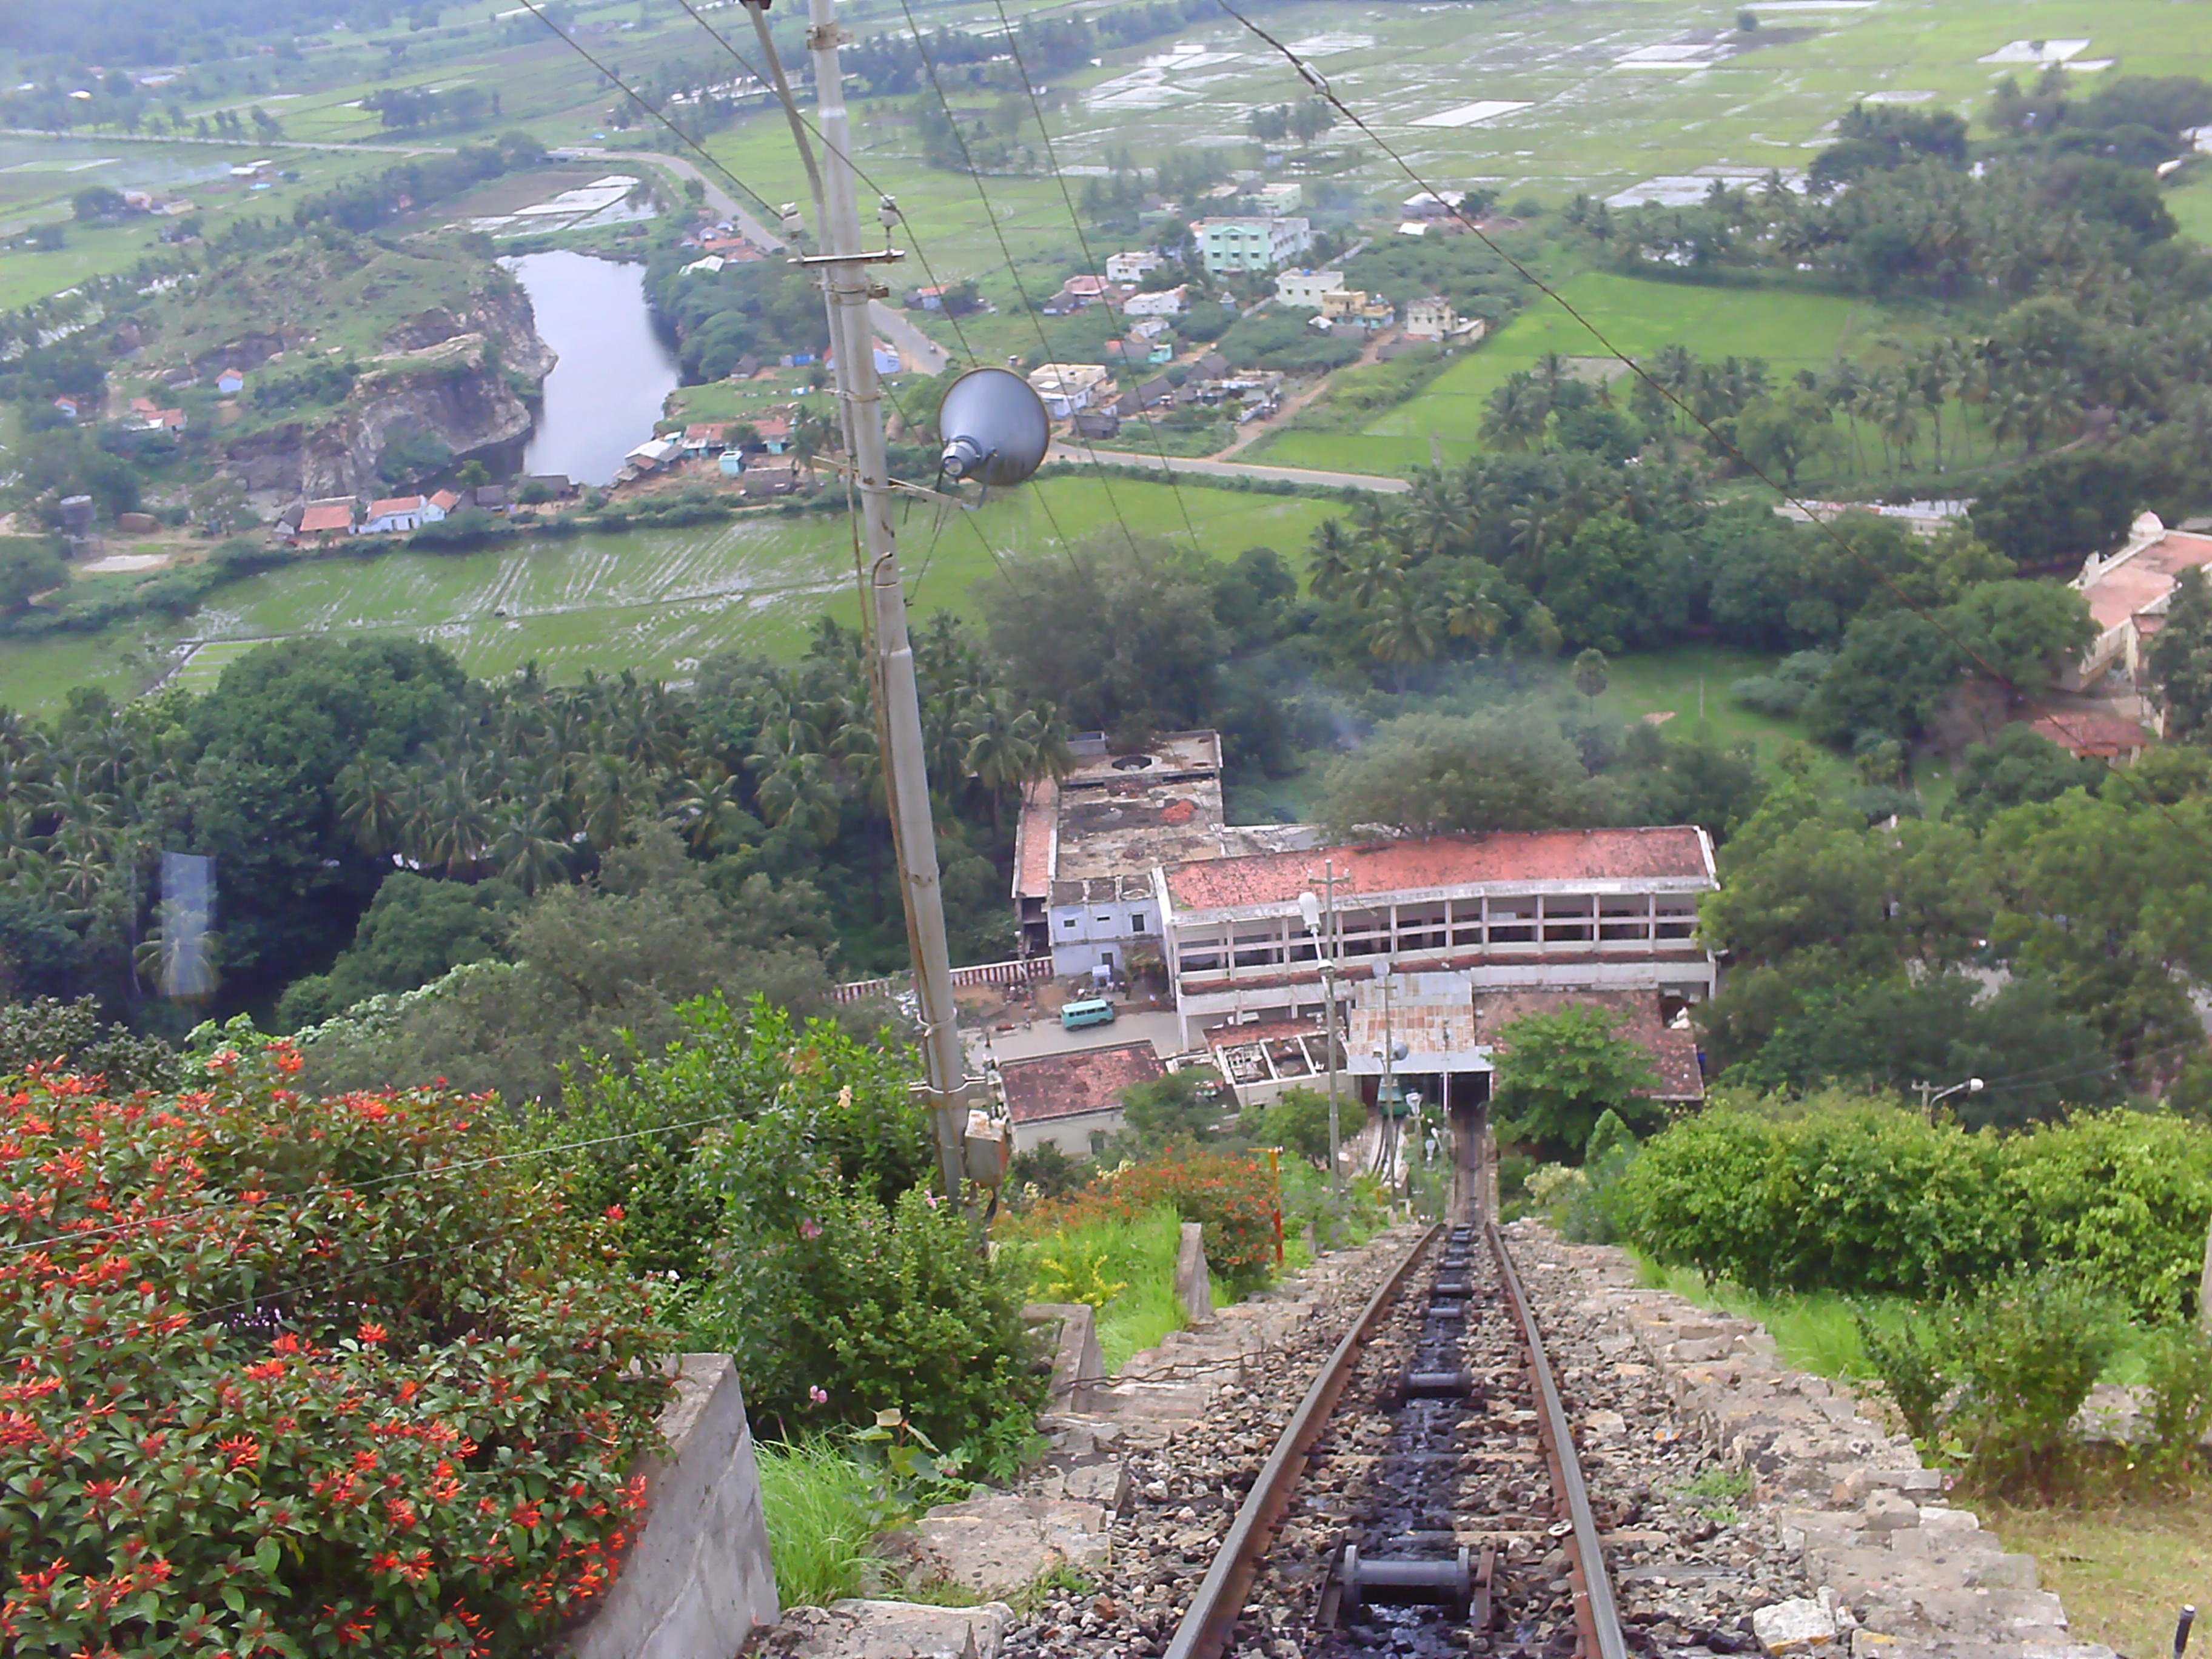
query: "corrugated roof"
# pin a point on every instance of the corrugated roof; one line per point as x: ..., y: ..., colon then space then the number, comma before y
x: 1088, y: 1080
x: 1674, y: 851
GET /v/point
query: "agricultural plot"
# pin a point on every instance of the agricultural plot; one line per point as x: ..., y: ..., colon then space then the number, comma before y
x: 1789, y: 329
x: 653, y: 600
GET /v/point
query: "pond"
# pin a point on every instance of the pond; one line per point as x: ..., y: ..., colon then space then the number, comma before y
x: 603, y: 396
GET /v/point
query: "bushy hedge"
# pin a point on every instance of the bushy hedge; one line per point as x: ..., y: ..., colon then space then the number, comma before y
x: 1862, y: 1197
x: 302, y: 1377
x: 1231, y: 1196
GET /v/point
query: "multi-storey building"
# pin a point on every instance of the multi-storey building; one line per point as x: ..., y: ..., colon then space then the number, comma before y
x: 1452, y: 921
x: 1228, y: 246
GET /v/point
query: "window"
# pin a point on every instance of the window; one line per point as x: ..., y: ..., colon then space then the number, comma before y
x: 1069, y: 922
x: 1137, y: 922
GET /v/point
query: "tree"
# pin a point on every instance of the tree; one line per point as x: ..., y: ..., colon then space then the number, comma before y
x: 30, y: 565
x: 1446, y: 774
x: 1175, y: 1110
x: 1894, y: 672
x: 97, y: 204
x: 1297, y: 1121
x: 1558, y: 1073
x: 1589, y: 674
x: 2024, y: 633
x: 1784, y: 431
x: 2054, y: 514
x: 2015, y: 767
x: 2180, y: 660
x: 415, y: 930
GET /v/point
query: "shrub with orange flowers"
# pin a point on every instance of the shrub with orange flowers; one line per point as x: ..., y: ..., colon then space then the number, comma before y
x: 297, y: 1377
x: 1232, y: 1195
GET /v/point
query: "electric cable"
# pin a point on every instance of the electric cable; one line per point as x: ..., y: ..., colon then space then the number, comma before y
x: 990, y: 214
x: 1089, y: 259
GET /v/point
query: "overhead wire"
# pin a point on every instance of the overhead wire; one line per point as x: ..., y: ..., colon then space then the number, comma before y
x: 999, y: 234
x: 1089, y: 259
x: 1319, y: 82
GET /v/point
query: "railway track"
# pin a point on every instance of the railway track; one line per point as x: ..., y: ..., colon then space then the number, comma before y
x: 1425, y: 1497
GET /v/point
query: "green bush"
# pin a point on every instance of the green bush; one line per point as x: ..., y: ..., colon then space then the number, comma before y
x: 2178, y: 1374
x: 1905, y: 1358
x: 2026, y: 1353
x: 1866, y: 1199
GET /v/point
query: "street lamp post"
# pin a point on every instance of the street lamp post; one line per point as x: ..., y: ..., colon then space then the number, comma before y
x: 1317, y: 915
x: 1931, y: 1097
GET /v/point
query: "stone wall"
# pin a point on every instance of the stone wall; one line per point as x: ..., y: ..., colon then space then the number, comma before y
x: 1899, y: 1573
x: 698, y: 1580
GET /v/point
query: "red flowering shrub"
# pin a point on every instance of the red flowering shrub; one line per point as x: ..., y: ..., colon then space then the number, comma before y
x: 1232, y: 1194
x: 302, y: 1378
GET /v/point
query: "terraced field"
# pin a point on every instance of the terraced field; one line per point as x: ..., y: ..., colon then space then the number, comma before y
x: 653, y: 600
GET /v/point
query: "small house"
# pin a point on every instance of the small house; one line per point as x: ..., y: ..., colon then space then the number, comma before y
x: 395, y: 515
x: 66, y: 407
x: 1162, y: 302
x: 1067, y: 388
x: 490, y: 498
x: 446, y: 501
x: 553, y: 486
x: 230, y: 382
x: 322, y: 521
x: 1133, y: 266
x: 1097, y: 423
x: 706, y: 438
x: 731, y: 462
x: 773, y: 433
x: 769, y: 478
x: 926, y: 299
x: 654, y: 454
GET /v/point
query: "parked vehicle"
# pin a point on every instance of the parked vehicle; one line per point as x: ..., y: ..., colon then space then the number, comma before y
x: 1093, y: 1011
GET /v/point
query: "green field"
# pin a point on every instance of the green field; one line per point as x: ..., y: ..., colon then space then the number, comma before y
x: 1790, y: 330
x: 653, y: 600
x: 2191, y: 204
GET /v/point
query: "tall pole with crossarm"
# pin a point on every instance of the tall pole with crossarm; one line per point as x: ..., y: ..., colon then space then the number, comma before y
x: 846, y: 271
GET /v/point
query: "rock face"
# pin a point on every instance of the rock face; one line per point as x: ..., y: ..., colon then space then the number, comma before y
x: 448, y: 379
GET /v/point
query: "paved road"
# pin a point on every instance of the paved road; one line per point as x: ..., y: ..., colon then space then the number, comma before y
x: 1193, y: 466
x: 1162, y: 1031
x: 923, y: 354
x: 255, y: 142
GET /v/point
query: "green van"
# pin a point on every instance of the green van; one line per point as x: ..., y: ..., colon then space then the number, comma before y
x: 1096, y: 1010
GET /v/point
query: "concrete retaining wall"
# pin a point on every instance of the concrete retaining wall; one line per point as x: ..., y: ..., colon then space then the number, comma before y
x: 698, y: 1581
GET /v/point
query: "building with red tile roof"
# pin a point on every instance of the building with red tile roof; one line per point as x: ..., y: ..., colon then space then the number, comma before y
x: 2128, y: 594
x: 1447, y: 917
x: 332, y: 518
x: 1066, y: 1098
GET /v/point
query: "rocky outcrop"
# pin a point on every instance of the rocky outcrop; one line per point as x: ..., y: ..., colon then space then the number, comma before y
x: 449, y: 381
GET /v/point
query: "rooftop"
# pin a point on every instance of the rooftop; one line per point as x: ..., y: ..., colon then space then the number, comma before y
x: 2138, y: 581
x: 392, y: 504
x: 1670, y: 852
x: 1075, y: 1085
x: 326, y: 515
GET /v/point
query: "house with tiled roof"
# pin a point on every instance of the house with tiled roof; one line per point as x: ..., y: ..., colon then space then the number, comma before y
x: 397, y: 515
x: 2128, y: 593
x: 326, y: 518
x: 1067, y: 1098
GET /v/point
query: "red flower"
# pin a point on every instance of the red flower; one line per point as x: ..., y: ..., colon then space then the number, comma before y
x: 267, y: 1370
x: 243, y: 1450
x: 614, y: 1212
x: 525, y: 1516
x: 372, y: 1333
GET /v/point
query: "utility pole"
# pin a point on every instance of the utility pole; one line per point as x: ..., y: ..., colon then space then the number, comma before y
x: 1320, y: 922
x: 847, y: 287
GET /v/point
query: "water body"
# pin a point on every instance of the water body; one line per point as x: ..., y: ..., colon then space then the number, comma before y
x: 604, y: 394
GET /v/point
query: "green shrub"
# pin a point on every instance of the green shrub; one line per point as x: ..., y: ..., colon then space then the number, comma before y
x: 1136, y: 1253
x: 2026, y: 1353
x: 1866, y: 1199
x: 1231, y: 1196
x: 2178, y: 1374
x: 1911, y: 1371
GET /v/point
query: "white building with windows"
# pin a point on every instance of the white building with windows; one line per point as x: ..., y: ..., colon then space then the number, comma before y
x: 1160, y: 302
x: 1303, y: 289
x: 1133, y: 266
x: 1455, y: 918
x: 1228, y: 246
x: 1067, y: 388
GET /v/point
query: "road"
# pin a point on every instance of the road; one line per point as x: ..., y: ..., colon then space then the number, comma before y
x: 256, y: 143
x: 923, y: 355
x: 1193, y: 466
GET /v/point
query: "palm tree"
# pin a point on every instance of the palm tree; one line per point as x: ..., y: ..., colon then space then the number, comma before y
x: 1516, y: 414
x: 369, y: 806
x: 528, y: 851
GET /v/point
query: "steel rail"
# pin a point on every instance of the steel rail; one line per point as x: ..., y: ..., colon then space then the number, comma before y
x: 1596, y: 1613
x: 1211, y: 1619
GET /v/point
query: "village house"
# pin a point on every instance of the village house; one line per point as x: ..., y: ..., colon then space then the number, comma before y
x: 230, y: 382
x: 1077, y: 294
x: 706, y: 438
x: 1430, y: 318
x: 1357, y: 308
x: 447, y: 502
x: 654, y: 454
x: 769, y: 478
x: 1304, y: 290
x: 66, y: 407
x: 708, y: 263
x: 772, y: 433
x: 1280, y: 197
x: 1066, y: 387
x: 1133, y: 266
x: 1158, y: 392
x: 1066, y: 1099
x: 490, y: 498
x: 325, y: 520
x: 730, y: 462
x: 1097, y: 423
x: 1429, y: 204
x: 2128, y: 593
x: 926, y: 299
x: 1229, y: 246
x: 555, y: 486
x: 1161, y: 303
x: 398, y: 514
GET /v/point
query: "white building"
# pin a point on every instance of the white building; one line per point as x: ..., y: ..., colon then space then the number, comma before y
x: 1068, y: 1098
x: 1303, y: 290
x: 1455, y: 918
x: 655, y: 453
x: 1133, y: 266
x: 1431, y: 317
x: 1087, y: 846
x: 399, y: 514
x: 1162, y: 302
x: 1228, y: 246
x: 1066, y: 387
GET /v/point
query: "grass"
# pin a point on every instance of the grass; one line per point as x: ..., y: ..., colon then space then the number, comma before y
x: 2191, y: 204
x: 820, y: 1506
x: 1139, y: 1256
x: 2123, y: 1572
x: 1791, y: 329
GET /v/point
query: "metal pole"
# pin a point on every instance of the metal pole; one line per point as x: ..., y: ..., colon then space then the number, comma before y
x: 847, y: 287
x: 1328, y: 984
